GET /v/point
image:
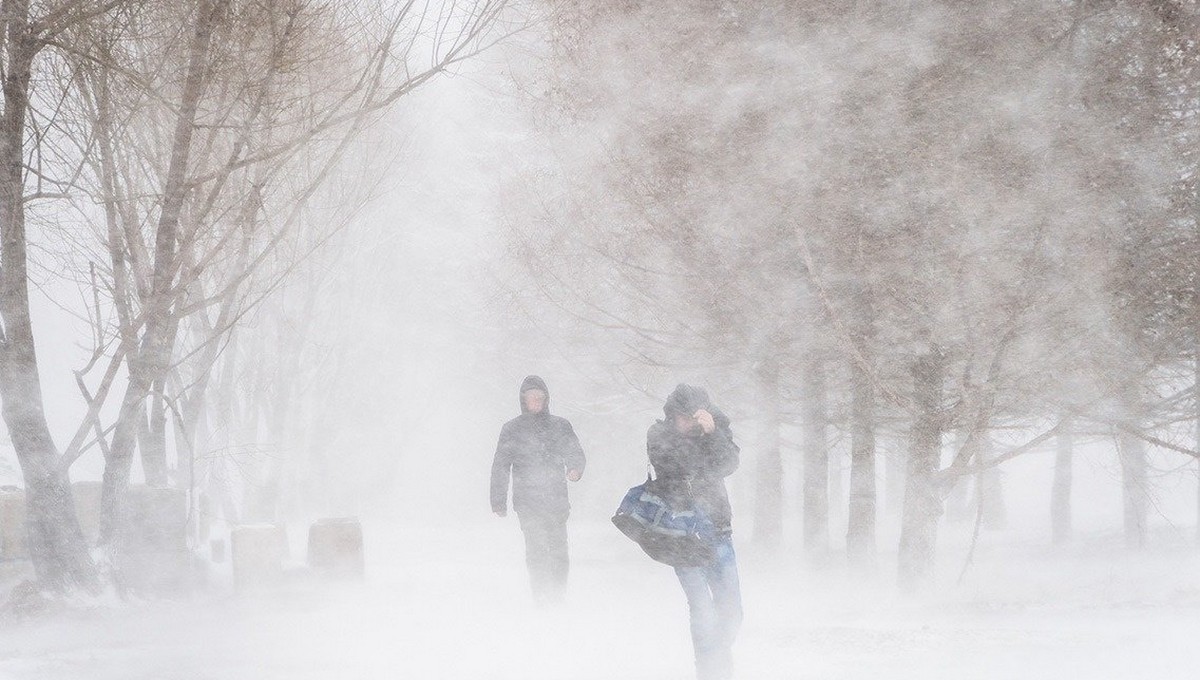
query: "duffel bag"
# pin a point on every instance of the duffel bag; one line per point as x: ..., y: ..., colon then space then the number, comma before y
x: 679, y: 537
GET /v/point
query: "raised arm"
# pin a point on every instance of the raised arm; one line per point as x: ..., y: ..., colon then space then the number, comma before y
x: 723, y: 454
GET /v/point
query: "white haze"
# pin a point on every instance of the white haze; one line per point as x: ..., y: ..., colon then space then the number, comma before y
x: 421, y: 293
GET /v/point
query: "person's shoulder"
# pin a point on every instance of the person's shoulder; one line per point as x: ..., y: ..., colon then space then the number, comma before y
x: 510, y: 424
x: 657, y: 429
x: 559, y: 421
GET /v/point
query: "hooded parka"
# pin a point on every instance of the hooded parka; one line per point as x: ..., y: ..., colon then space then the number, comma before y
x: 691, y: 468
x: 536, y: 450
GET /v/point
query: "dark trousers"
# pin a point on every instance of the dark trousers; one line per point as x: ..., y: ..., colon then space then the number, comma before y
x: 546, y: 555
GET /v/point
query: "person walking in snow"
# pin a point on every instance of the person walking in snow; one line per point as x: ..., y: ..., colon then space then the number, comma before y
x: 540, y: 452
x: 692, y: 452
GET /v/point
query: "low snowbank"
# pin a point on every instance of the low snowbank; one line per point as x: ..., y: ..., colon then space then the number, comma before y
x: 452, y: 602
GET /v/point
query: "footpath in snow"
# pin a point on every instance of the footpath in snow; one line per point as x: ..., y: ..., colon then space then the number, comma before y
x: 453, y: 603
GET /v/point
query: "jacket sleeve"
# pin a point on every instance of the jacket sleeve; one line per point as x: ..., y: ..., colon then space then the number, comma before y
x: 723, y: 454
x: 572, y: 452
x: 501, y: 471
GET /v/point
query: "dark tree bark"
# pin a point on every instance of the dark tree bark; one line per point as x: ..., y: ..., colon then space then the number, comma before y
x: 922, y: 498
x: 56, y: 544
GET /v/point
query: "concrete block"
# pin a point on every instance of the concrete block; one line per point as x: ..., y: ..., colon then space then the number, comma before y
x: 335, y: 547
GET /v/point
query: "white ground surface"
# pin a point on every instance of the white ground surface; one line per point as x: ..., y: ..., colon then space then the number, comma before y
x: 450, y: 604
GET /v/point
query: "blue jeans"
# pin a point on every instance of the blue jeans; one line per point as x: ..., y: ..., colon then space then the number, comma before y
x: 714, y: 598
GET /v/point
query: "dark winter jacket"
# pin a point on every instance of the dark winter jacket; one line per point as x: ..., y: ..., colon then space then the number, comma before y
x: 691, y: 468
x: 537, y: 449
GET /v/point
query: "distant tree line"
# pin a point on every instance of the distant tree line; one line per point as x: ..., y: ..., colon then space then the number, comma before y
x: 935, y: 223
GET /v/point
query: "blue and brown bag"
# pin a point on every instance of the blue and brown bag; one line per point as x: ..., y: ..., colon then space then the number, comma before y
x: 680, y: 537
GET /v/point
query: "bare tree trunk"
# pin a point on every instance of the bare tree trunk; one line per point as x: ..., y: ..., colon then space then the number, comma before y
x: 1196, y: 370
x: 836, y: 485
x: 959, y: 505
x: 263, y: 499
x: 118, y: 466
x: 860, y: 531
x: 1134, y: 465
x: 1196, y: 397
x: 816, y: 456
x: 184, y: 438
x: 153, y: 358
x: 1060, y: 499
x: 56, y: 544
x: 153, y: 445
x: 989, y: 486
x: 768, y: 497
x: 922, y: 499
x: 894, y: 474
x: 218, y: 486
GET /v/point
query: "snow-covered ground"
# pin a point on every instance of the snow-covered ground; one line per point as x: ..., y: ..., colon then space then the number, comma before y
x: 452, y: 603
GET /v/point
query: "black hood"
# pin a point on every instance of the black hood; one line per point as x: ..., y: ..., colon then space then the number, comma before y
x: 686, y: 400
x: 533, y: 382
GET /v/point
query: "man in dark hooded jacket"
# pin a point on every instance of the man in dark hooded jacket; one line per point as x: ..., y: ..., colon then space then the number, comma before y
x: 540, y: 452
x: 692, y: 452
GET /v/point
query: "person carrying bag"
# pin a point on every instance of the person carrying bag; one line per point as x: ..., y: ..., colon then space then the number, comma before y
x: 681, y: 516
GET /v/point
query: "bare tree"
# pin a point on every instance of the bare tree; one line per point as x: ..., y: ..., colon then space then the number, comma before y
x: 200, y: 151
x: 59, y: 552
x: 210, y: 260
